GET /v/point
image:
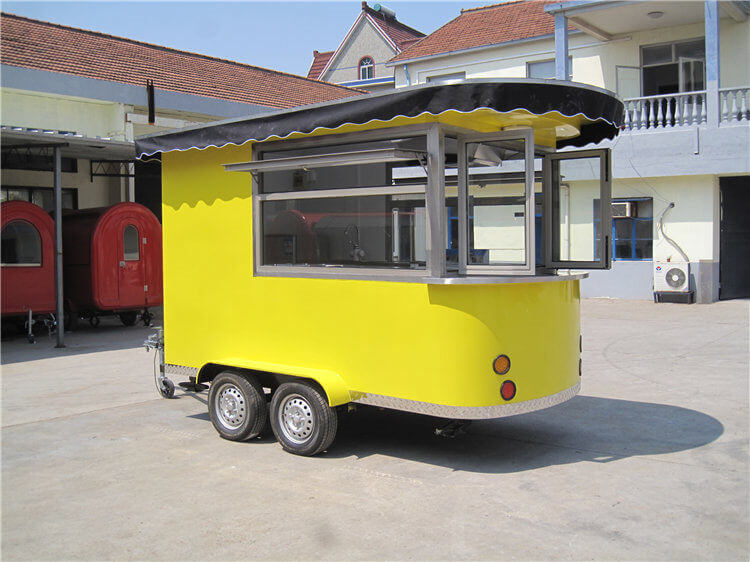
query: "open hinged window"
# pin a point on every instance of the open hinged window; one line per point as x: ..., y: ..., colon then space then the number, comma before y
x: 577, y: 209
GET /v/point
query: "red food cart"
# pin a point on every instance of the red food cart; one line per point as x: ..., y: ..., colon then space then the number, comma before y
x: 112, y: 262
x: 28, y: 262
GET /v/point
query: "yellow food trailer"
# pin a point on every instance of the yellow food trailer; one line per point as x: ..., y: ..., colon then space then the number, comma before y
x: 418, y: 250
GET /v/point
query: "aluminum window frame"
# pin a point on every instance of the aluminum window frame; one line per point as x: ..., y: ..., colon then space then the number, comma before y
x: 605, y: 208
x: 434, y: 134
x: 529, y: 267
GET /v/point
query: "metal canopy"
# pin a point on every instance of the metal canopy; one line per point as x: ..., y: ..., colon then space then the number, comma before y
x: 323, y: 160
x: 72, y: 146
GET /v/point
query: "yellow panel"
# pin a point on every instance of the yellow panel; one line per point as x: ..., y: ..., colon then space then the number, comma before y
x: 407, y: 340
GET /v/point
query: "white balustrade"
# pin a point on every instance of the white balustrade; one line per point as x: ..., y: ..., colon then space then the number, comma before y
x: 669, y: 110
x: 734, y: 104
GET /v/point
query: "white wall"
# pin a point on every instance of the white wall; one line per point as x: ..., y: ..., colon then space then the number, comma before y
x: 594, y: 62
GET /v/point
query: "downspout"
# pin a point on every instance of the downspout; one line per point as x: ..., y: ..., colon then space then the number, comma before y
x: 408, y: 78
x: 660, y: 227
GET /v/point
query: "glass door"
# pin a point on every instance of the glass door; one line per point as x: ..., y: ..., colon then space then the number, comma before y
x: 577, y: 209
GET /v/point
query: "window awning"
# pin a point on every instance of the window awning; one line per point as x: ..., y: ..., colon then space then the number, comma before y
x: 570, y: 114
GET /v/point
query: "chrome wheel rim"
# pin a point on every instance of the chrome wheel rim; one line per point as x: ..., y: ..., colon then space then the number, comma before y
x: 296, y: 419
x: 230, y: 406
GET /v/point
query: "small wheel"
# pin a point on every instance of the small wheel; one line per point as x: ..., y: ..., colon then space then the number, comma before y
x: 167, y: 389
x: 94, y: 321
x: 128, y: 318
x: 237, y: 406
x: 301, y: 419
x: 147, y: 317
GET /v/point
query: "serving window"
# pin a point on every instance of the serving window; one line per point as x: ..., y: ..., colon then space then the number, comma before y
x: 429, y: 202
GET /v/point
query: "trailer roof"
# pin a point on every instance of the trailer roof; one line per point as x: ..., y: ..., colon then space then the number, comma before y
x: 572, y: 114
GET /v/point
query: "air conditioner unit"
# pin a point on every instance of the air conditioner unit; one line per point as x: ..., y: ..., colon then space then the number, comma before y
x: 671, y: 277
x: 622, y: 210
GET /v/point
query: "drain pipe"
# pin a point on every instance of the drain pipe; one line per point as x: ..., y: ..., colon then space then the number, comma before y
x: 660, y: 227
x: 408, y: 78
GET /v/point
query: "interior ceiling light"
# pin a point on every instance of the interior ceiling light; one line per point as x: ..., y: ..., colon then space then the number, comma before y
x: 655, y: 15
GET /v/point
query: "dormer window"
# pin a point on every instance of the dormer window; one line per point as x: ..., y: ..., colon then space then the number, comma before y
x: 366, y: 67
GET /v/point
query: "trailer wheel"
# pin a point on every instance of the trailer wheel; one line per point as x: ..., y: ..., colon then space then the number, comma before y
x: 128, y: 318
x: 301, y: 419
x: 237, y: 406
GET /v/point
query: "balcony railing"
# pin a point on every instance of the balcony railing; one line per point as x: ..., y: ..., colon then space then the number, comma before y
x: 670, y: 110
x: 685, y: 109
x: 734, y: 105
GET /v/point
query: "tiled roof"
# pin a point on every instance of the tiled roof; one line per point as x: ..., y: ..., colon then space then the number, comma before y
x: 47, y: 46
x: 319, y: 62
x: 489, y: 25
x: 398, y: 32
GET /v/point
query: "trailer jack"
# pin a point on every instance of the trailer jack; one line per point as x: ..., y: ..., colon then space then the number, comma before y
x: 155, y: 341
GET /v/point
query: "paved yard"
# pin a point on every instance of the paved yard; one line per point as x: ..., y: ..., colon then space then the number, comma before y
x: 649, y: 462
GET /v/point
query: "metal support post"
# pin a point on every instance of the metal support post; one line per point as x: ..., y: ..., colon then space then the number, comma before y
x: 59, y: 249
x: 561, y: 47
x: 713, y: 72
x: 435, y: 202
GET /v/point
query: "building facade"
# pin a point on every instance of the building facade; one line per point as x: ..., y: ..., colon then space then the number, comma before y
x: 683, y: 71
x: 91, y: 94
x: 360, y: 59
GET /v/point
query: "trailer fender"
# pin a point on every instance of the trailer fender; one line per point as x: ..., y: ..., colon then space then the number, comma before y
x: 331, y: 382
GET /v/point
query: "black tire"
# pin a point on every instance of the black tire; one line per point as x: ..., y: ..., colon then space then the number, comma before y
x: 237, y: 406
x: 167, y: 389
x: 301, y: 419
x: 128, y: 318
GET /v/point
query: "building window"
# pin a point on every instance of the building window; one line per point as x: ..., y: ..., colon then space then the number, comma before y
x: 21, y: 244
x: 21, y: 159
x: 42, y: 196
x: 366, y: 68
x: 671, y: 68
x: 130, y: 244
x: 632, y: 228
x: 545, y: 69
x: 447, y: 78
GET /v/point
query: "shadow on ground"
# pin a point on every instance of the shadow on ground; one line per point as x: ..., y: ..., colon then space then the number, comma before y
x: 587, y: 428
x: 109, y: 335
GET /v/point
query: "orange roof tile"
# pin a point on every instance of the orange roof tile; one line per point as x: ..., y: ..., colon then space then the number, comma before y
x: 30, y: 43
x: 318, y: 64
x: 488, y: 25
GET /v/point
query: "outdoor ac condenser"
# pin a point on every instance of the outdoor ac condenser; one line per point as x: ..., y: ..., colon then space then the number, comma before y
x: 670, y: 276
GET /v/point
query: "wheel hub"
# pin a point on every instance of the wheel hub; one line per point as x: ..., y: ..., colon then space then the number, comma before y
x: 296, y: 419
x: 231, y: 406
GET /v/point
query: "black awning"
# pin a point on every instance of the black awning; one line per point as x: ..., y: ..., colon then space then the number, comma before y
x: 602, y: 110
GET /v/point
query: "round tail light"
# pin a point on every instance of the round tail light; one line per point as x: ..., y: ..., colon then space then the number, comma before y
x: 501, y: 364
x: 508, y: 390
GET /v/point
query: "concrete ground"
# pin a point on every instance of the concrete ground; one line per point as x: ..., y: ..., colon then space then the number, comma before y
x: 649, y: 462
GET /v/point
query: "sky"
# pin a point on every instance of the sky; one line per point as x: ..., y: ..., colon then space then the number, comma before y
x: 278, y: 35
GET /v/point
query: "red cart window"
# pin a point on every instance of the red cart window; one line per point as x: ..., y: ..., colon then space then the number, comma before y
x: 131, y: 248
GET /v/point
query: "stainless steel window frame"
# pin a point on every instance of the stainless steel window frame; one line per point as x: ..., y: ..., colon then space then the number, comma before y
x: 352, y: 158
x: 605, y: 209
x: 435, y: 161
x: 529, y: 267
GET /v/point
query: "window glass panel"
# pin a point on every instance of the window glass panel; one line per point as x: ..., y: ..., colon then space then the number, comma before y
x: 375, y: 231
x: 660, y: 80
x: 496, y: 203
x: 643, y: 249
x: 623, y: 228
x: 21, y: 244
x: 366, y: 68
x: 644, y: 229
x: 692, y: 49
x: 623, y: 249
x: 657, y: 54
x: 17, y: 195
x: 45, y: 199
x: 447, y: 78
x: 542, y: 69
x: 131, y: 247
x: 334, y: 177
x: 573, y: 205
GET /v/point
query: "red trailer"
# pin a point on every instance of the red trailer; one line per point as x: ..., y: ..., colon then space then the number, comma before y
x: 28, y: 260
x: 112, y: 262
